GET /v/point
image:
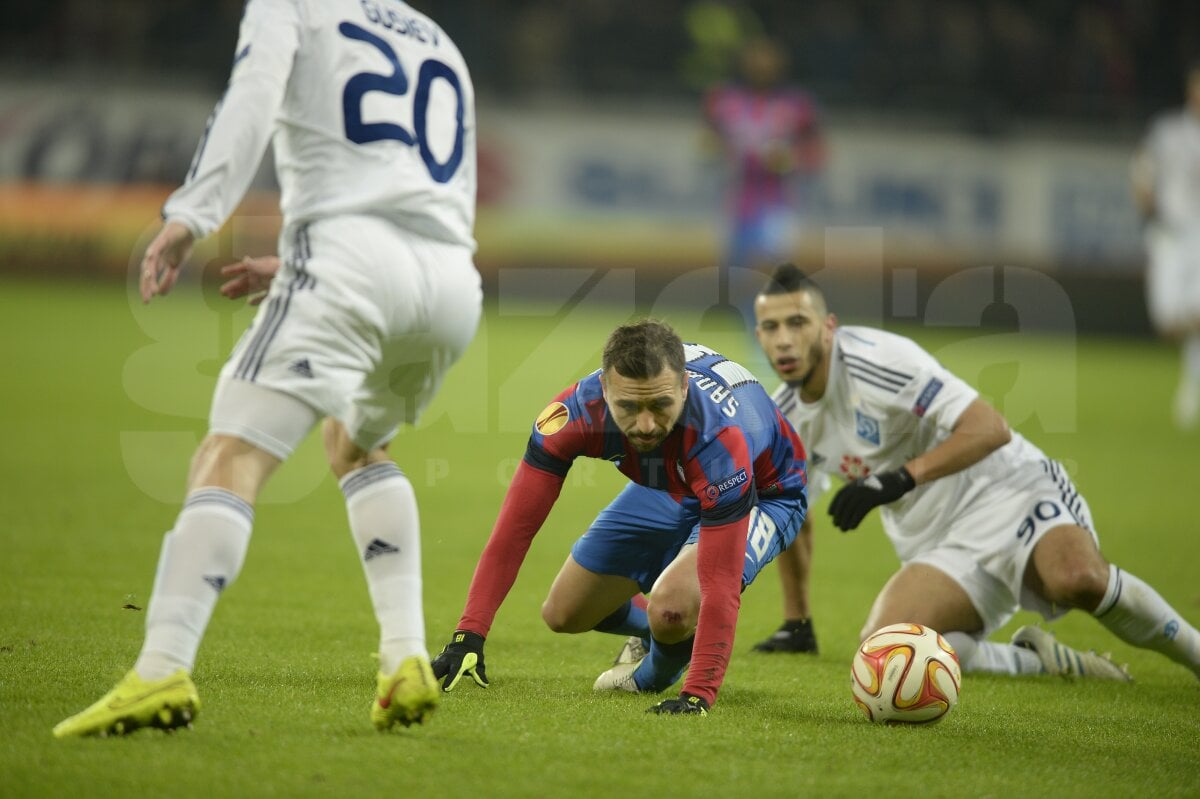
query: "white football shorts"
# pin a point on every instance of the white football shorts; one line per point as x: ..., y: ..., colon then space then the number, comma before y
x: 361, y: 323
x: 1173, y: 278
x: 988, y: 547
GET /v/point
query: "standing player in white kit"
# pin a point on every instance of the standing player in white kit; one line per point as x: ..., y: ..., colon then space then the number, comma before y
x: 371, y: 109
x: 1166, y: 189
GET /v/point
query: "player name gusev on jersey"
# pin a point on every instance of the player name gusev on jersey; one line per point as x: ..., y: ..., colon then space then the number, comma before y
x: 341, y: 75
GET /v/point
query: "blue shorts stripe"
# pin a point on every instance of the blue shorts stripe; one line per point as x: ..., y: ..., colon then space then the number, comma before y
x: 256, y: 351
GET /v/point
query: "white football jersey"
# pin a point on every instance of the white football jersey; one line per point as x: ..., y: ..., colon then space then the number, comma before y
x: 371, y: 109
x: 886, y: 401
x: 1173, y: 145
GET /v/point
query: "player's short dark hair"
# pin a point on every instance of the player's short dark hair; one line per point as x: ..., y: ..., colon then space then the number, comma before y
x: 788, y: 278
x: 640, y: 350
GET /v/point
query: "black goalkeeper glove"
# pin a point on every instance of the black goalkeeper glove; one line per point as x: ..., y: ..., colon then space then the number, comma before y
x: 686, y: 705
x: 463, y: 655
x: 856, y: 499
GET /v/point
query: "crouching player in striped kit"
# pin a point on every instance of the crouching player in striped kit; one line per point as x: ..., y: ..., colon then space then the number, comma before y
x: 376, y: 298
x: 717, y: 490
x: 981, y: 520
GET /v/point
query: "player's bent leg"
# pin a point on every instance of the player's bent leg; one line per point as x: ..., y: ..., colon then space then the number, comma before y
x: 201, y: 556
x: 203, y: 553
x: 674, y: 602
x: 673, y: 607
x: 580, y: 599
x: 923, y: 594
x: 1067, y: 569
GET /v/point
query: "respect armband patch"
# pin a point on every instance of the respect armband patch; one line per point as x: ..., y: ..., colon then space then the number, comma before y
x: 927, y: 394
x: 714, y: 491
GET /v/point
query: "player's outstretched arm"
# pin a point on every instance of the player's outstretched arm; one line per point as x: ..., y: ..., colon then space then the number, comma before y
x: 163, y: 258
x: 526, y: 505
x: 249, y: 277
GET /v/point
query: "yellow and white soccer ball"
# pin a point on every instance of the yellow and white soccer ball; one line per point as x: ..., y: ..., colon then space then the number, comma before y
x: 905, y: 673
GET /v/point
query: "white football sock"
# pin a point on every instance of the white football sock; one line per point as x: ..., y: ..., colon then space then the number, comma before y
x: 989, y: 657
x: 1138, y: 615
x: 200, y: 557
x: 383, y: 516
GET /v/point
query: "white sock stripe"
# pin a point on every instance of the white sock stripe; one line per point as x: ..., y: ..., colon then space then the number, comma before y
x: 359, y: 479
x: 222, y: 497
x: 1112, y: 594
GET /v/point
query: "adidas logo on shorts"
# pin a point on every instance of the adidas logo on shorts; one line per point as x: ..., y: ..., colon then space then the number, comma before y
x: 301, y: 367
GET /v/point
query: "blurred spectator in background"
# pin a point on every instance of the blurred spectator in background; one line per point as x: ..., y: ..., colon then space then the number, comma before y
x: 1166, y: 188
x: 769, y: 136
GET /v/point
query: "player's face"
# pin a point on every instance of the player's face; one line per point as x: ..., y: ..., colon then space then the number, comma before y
x: 645, y: 410
x: 797, y: 335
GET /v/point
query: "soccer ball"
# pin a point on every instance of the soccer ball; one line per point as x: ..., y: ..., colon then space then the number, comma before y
x: 905, y: 673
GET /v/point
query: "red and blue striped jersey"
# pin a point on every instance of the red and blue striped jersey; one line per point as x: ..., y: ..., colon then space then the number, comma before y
x: 730, y: 445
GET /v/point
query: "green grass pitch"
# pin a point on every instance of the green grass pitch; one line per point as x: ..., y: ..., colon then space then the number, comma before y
x: 104, y: 401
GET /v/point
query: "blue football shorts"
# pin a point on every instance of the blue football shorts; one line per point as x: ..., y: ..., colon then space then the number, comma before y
x: 642, y: 530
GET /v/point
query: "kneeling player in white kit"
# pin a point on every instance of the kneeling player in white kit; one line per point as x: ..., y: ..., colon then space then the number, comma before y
x: 981, y: 520
x: 1166, y: 189
x: 372, y: 112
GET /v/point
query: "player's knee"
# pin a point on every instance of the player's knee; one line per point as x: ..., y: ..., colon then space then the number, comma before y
x: 1078, y: 585
x: 670, y: 622
x: 560, y: 619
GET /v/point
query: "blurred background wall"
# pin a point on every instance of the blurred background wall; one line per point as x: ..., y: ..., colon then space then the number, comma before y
x: 973, y: 147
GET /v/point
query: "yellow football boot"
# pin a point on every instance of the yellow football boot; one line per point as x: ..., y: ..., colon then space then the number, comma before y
x: 407, y: 696
x: 134, y: 703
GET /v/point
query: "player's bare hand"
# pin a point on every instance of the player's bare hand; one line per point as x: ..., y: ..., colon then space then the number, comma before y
x: 164, y: 256
x: 249, y: 277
